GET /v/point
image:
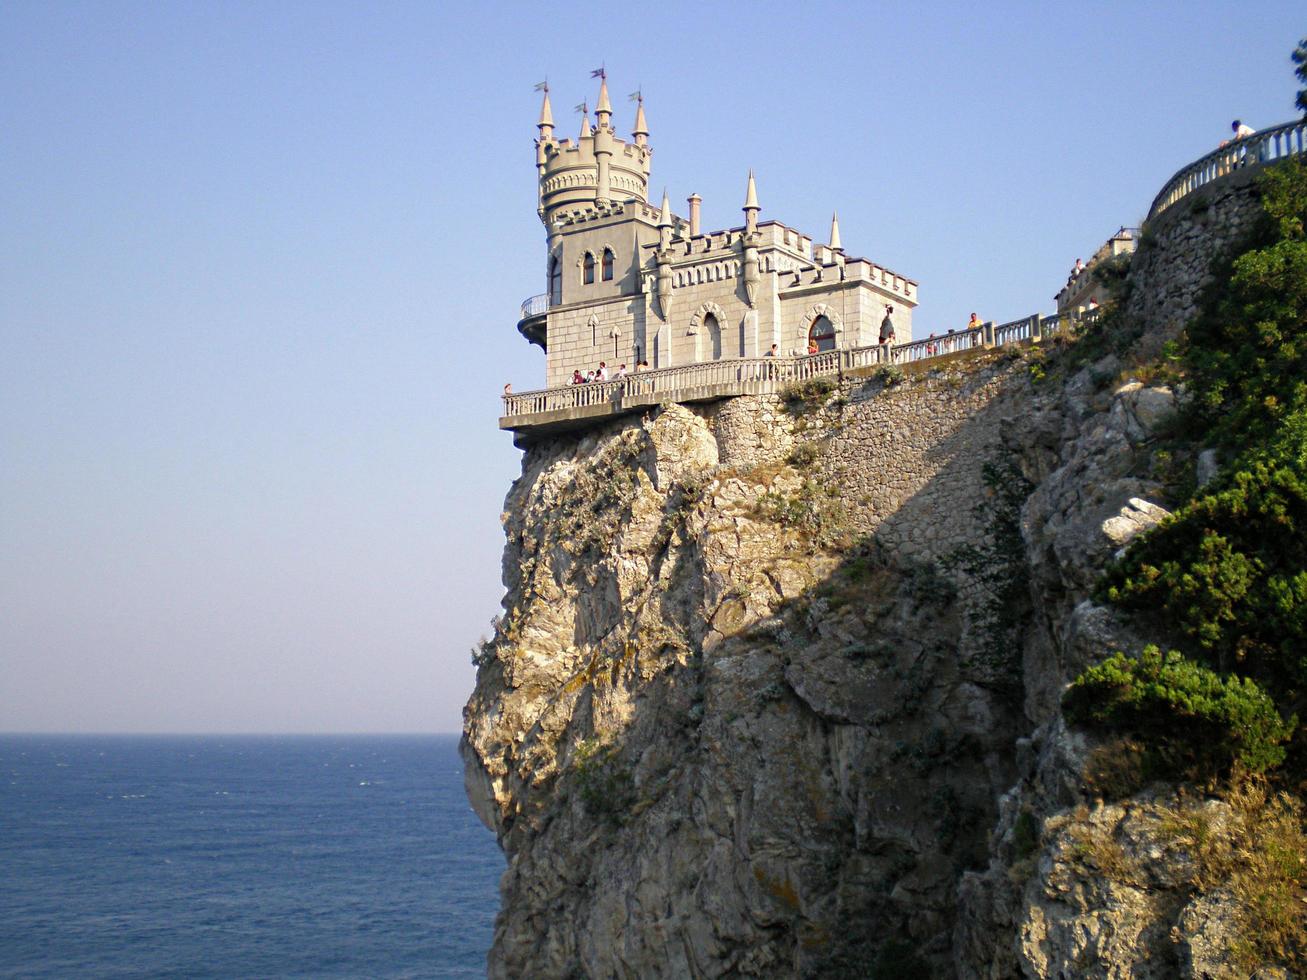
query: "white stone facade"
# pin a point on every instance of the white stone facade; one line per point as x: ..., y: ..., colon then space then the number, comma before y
x: 628, y: 282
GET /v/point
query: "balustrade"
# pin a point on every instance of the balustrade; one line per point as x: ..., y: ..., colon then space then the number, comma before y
x: 1276, y: 143
x: 759, y: 375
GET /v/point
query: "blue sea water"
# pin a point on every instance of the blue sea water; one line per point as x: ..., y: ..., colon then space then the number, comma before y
x: 249, y: 856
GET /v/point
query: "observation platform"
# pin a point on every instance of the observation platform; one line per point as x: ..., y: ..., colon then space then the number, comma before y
x: 575, y: 406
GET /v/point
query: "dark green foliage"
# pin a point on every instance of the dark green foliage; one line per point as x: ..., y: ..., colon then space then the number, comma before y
x: 603, y: 782
x: 1228, y: 571
x: 1025, y: 835
x: 801, y: 396
x: 1226, y: 576
x: 999, y: 567
x: 1299, y: 57
x: 1247, y: 350
x: 1201, y: 721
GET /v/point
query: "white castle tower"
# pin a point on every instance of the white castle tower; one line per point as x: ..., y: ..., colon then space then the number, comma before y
x: 629, y: 283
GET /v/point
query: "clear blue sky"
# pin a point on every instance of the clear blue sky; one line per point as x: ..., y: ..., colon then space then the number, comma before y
x: 260, y: 266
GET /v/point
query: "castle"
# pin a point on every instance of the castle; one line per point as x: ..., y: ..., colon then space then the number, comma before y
x: 631, y: 283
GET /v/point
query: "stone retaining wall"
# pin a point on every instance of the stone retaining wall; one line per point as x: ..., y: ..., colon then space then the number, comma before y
x: 1174, y: 260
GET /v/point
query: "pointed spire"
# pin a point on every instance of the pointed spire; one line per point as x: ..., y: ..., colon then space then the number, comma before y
x: 546, y: 113
x: 585, y: 120
x: 751, y: 195
x: 751, y: 208
x: 604, y: 105
x: 665, y: 219
x: 641, y: 131
x: 835, y: 244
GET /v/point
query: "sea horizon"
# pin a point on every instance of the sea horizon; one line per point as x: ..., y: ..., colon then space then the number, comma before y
x: 224, y: 854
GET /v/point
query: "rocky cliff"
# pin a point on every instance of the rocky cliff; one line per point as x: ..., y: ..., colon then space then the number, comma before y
x: 776, y: 687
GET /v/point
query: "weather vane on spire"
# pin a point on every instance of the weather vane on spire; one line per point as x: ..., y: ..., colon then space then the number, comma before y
x: 599, y: 73
x: 582, y: 107
x: 542, y: 86
x: 636, y: 96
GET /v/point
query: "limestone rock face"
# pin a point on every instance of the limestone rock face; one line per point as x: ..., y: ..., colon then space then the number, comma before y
x: 776, y: 690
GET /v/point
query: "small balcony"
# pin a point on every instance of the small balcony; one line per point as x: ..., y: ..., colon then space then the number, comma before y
x: 534, y: 323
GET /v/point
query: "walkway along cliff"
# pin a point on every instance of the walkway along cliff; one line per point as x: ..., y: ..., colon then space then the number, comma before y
x: 777, y: 686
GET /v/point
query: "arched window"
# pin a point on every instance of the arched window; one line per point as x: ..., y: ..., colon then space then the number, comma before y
x: 588, y: 269
x: 555, y: 281
x: 822, y: 334
x: 714, y: 331
x: 608, y: 264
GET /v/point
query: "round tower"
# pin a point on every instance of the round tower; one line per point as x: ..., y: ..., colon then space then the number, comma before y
x: 598, y: 170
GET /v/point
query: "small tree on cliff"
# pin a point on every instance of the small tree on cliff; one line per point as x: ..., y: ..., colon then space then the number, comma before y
x: 1300, y: 59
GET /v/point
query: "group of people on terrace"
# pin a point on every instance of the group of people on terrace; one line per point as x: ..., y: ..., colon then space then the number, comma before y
x: 952, y: 341
x: 601, y: 373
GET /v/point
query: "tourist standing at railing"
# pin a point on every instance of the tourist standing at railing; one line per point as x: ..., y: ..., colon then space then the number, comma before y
x: 602, y: 373
x: 576, y: 378
x: 974, y: 324
x: 887, y: 330
x: 1241, y: 132
x: 621, y: 371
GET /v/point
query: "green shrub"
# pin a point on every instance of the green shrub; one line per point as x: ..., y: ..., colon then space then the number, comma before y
x: 804, y: 454
x: 1228, y: 571
x: 1226, y: 576
x: 890, y: 375
x: 603, y: 782
x: 808, y: 393
x: 1192, y: 714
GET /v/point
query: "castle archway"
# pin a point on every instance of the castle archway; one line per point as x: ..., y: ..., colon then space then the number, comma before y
x: 824, y: 326
x: 706, y: 328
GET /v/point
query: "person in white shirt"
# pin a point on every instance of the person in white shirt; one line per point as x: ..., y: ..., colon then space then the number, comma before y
x: 602, y: 373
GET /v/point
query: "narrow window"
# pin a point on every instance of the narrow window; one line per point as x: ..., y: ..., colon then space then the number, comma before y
x: 714, y: 330
x: 588, y: 270
x: 822, y: 335
x: 555, y: 281
x: 608, y: 264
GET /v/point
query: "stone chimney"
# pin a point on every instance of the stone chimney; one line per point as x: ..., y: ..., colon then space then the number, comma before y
x: 694, y: 200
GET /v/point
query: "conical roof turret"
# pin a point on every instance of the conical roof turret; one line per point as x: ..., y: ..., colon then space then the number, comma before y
x: 604, y: 106
x: 546, y: 113
x: 665, y: 217
x: 835, y: 244
x: 585, y: 121
x: 751, y: 195
x: 641, y: 131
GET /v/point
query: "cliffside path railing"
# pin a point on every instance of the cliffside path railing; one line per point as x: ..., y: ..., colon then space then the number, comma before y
x: 763, y: 375
x: 1277, y: 143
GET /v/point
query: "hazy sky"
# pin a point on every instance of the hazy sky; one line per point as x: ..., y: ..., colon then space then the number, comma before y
x: 260, y: 267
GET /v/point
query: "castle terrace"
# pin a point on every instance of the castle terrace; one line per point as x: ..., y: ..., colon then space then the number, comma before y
x: 573, y: 406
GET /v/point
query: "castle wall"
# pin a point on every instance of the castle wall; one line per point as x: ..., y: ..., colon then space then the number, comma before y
x: 1173, y: 260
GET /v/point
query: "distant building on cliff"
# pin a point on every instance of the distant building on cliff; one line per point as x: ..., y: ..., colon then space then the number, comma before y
x: 628, y: 282
x: 1083, y: 289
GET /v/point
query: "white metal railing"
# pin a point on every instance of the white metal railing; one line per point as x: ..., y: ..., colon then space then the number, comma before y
x: 758, y: 375
x: 1277, y: 143
x: 535, y: 306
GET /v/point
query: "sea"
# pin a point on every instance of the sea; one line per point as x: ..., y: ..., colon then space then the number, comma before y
x: 251, y: 856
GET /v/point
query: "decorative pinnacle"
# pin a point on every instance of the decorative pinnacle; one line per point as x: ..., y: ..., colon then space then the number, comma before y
x: 835, y: 244
x: 604, y: 105
x: 584, y: 109
x: 546, y: 110
x: 665, y: 219
x: 751, y: 196
x: 641, y: 127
